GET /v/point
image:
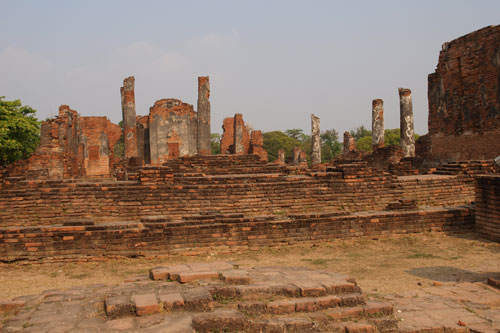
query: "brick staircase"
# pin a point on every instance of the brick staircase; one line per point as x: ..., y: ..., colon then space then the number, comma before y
x: 222, y: 297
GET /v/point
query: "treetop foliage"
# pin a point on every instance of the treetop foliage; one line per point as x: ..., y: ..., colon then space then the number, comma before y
x: 19, y: 131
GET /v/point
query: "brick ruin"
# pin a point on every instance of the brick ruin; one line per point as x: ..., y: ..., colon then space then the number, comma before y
x: 170, y: 130
x: 464, y: 100
x: 74, y: 146
x: 238, y: 138
x: 168, y: 195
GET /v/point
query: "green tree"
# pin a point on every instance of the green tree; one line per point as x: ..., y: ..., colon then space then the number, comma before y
x: 360, y: 132
x: 19, y: 131
x: 364, y: 144
x: 330, y: 145
x: 215, y: 143
x: 297, y: 134
x: 276, y: 140
x: 391, y: 138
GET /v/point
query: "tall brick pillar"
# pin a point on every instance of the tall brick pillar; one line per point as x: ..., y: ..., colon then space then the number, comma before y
x: 239, y: 147
x: 349, y: 143
x: 315, y: 141
x: 377, y: 124
x: 203, y: 141
x: 407, y: 140
x: 128, y: 112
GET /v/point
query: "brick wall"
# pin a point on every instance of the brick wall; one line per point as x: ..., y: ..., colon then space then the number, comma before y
x: 488, y: 206
x: 201, y: 234
x: 464, y: 99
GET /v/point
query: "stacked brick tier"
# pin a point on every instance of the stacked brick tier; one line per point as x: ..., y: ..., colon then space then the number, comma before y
x: 50, y: 202
x: 488, y: 206
x: 196, y: 234
x: 468, y: 168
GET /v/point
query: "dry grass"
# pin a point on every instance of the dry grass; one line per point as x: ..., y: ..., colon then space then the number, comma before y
x: 387, y: 265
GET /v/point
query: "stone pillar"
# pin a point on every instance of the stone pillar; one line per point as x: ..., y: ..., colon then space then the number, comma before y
x: 203, y: 139
x: 257, y: 145
x: 239, y: 125
x: 299, y: 156
x: 349, y: 143
x: 281, y: 157
x: 315, y: 141
x: 377, y: 124
x: 128, y: 113
x: 407, y: 140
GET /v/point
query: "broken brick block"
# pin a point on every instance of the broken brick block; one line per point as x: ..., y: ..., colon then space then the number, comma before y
x: 281, y: 307
x: 171, y: 301
x: 145, y: 304
x: 118, y: 306
x: 195, y: 276
x: 8, y: 305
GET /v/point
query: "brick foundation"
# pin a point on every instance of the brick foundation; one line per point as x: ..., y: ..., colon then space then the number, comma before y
x: 198, y: 234
x: 226, y: 184
x: 488, y: 206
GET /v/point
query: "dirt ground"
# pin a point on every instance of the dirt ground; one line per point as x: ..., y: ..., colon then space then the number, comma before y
x: 380, y: 266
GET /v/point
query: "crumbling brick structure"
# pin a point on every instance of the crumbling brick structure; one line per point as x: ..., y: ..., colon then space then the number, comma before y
x: 238, y: 138
x: 172, y: 128
x: 464, y: 100
x: 71, y: 146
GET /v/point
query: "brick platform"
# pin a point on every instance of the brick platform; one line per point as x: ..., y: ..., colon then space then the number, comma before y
x: 243, y: 299
x: 196, y: 234
x: 225, y: 184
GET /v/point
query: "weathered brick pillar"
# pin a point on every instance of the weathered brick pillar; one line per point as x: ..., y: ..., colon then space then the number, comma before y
x: 407, y: 140
x: 299, y: 156
x: 239, y: 147
x: 128, y: 113
x: 281, y: 156
x: 203, y: 140
x: 349, y: 143
x: 315, y: 141
x: 377, y: 124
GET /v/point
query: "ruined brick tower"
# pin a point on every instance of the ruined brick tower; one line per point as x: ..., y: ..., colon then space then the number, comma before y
x: 464, y: 99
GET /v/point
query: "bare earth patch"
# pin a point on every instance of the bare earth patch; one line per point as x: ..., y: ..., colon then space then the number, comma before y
x: 380, y: 266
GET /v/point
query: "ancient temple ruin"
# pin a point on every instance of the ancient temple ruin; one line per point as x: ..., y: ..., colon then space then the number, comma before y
x: 75, y: 146
x: 176, y: 198
x: 239, y: 138
x: 171, y: 129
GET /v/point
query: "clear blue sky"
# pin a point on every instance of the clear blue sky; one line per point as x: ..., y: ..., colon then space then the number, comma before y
x: 276, y: 62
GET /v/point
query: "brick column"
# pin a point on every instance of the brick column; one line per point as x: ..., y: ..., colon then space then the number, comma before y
x: 128, y: 113
x: 315, y: 141
x: 377, y: 124
x: 203, y: 138
x: 281, y: 156
x: 239, y: 125
x: 407, y: 140
x: 349, y: 143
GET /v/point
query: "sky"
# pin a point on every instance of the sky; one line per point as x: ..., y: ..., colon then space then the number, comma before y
x: 276, y: 62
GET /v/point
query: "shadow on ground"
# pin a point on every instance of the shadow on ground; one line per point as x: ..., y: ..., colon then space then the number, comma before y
x: 452, y: 274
